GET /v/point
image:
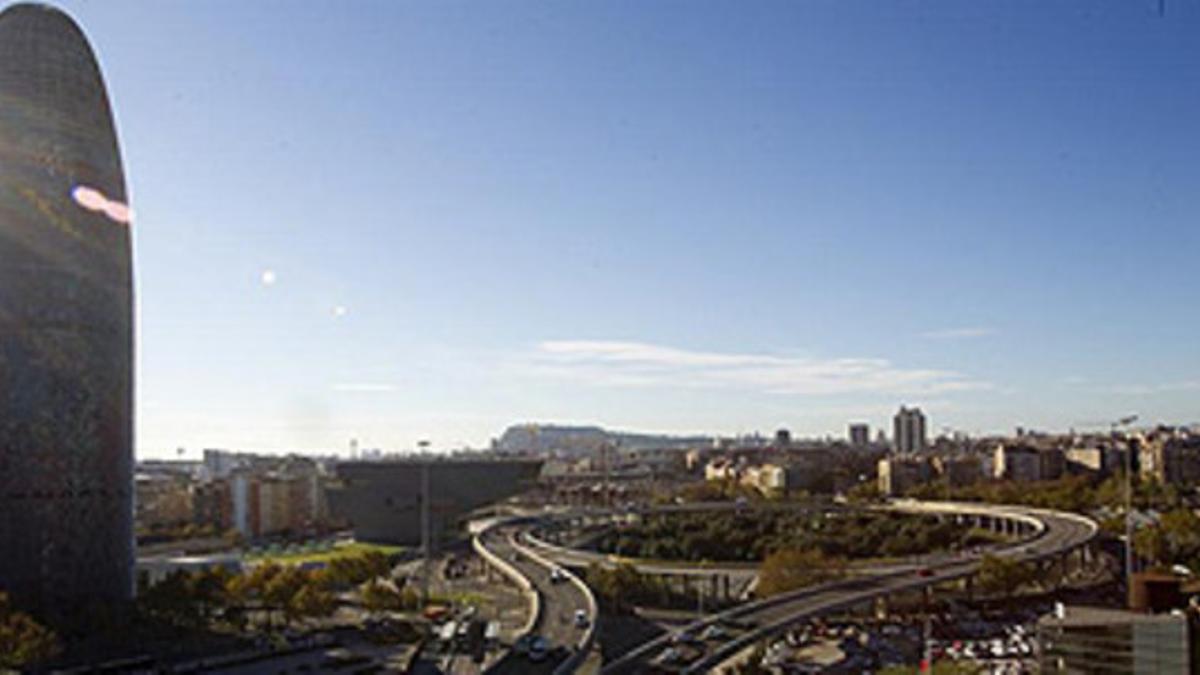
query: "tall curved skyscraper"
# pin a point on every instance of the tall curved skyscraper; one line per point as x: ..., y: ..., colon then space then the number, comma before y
x: 66, y: 323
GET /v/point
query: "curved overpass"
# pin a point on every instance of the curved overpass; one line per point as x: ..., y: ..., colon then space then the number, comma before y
x: 553, y: 609
x: 741, y: 577
x: 1056, y: 534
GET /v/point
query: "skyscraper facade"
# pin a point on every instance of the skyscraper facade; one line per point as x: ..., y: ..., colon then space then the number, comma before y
x: 908, y: 431
x: 66, y: 324
x: 860, y: 435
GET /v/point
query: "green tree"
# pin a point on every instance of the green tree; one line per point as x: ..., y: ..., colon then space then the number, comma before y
x: 1003, y: 575
x: 280, y: 589
x: 23, y: 641
x: 378, y: 596
x: 207, y: 590
x: 790, y: 569
x: 312, y: 602
x: 865, y: 492
x: 172, y: 600
x: 1174, y: 540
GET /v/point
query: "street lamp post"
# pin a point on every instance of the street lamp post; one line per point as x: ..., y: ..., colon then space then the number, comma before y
x: 1125, y: 421
x: 426, y: 525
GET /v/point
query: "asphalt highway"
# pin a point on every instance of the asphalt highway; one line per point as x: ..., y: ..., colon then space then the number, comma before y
x: 764, y: 619
x: 559, y: 602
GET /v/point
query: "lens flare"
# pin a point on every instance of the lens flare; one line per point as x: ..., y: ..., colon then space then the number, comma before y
x: 94, y: 200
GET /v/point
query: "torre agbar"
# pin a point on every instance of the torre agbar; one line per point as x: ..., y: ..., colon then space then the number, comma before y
x: 66, y: 324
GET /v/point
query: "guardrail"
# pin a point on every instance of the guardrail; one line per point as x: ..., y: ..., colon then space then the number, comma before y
x: 584, y: 646
x: 582, y: 556
x: 1027, y: 515
x: 728, y: 649
x: 514, y: 575
x: 632, y: 657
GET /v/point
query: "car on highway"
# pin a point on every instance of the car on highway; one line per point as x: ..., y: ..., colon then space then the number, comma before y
x: 668, y: 656
x: 683, y: 637
x: 924, y: 572
x: 714, y: 632
x: 539, y: 649
x: 581, y: 618
x: 557, y: 575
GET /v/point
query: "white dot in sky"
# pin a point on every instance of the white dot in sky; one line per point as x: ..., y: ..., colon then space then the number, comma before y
x: 339, y: 310
x: 268, y: 278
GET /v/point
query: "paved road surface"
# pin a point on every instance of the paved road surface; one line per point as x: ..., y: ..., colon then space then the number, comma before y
x: 559, y: 603
x: 1062, y: 534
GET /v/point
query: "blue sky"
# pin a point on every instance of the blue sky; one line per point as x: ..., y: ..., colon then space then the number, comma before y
x: 672, y: 216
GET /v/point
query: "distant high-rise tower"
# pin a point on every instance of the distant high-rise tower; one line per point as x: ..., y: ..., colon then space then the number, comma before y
x: 860, y: 435
x: 908, y: 430
x: 66, y: 324
x: 783, y: 439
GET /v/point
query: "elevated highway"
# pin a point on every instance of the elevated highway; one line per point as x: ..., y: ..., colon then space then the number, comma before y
x: 553, y: 610
x: 1053, y: 537
x: 735, y: 579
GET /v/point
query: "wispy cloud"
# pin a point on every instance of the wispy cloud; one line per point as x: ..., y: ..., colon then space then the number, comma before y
x: 367, y: 387
x: 1155, y: 388
x: 958, y: 333
x: 639, y: 364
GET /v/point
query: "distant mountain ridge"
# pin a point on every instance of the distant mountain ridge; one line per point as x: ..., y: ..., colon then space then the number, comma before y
x: 582, y: 439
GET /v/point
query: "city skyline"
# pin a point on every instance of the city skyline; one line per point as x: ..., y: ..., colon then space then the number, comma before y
x: 729, y: 220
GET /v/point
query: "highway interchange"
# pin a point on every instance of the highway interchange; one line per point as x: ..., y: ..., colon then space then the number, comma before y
x: 1049, y: 535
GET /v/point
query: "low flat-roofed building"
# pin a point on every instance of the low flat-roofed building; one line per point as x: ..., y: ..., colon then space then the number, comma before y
x: 383, y: 500
x: 899, y: 474
x: 1018, y: 463
x: 766, y: 478
x: 1174, y: 461
x: 1103, y: 460
x: 958, y: 471
x: 1096, y: 640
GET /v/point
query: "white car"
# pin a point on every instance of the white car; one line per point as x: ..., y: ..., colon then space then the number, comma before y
x: 581, y: 618
x: 557, y: 576
x: 668, y: 655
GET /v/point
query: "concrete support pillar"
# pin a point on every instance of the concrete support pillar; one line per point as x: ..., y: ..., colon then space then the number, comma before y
x: 725, y: 584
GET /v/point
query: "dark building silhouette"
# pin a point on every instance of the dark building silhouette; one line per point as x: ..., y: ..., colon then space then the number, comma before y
x: 66, y: 324
x: 382, y: 500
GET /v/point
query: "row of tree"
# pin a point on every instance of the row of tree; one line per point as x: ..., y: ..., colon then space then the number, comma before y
x: 269, y: 592
x: 1173, y: 540
x: 1078, y: 494
x: 792, y: 569
x: 623, y: 587
x: 753, y: 535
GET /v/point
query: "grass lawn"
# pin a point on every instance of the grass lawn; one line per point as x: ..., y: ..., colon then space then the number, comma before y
x: 339, y: 550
